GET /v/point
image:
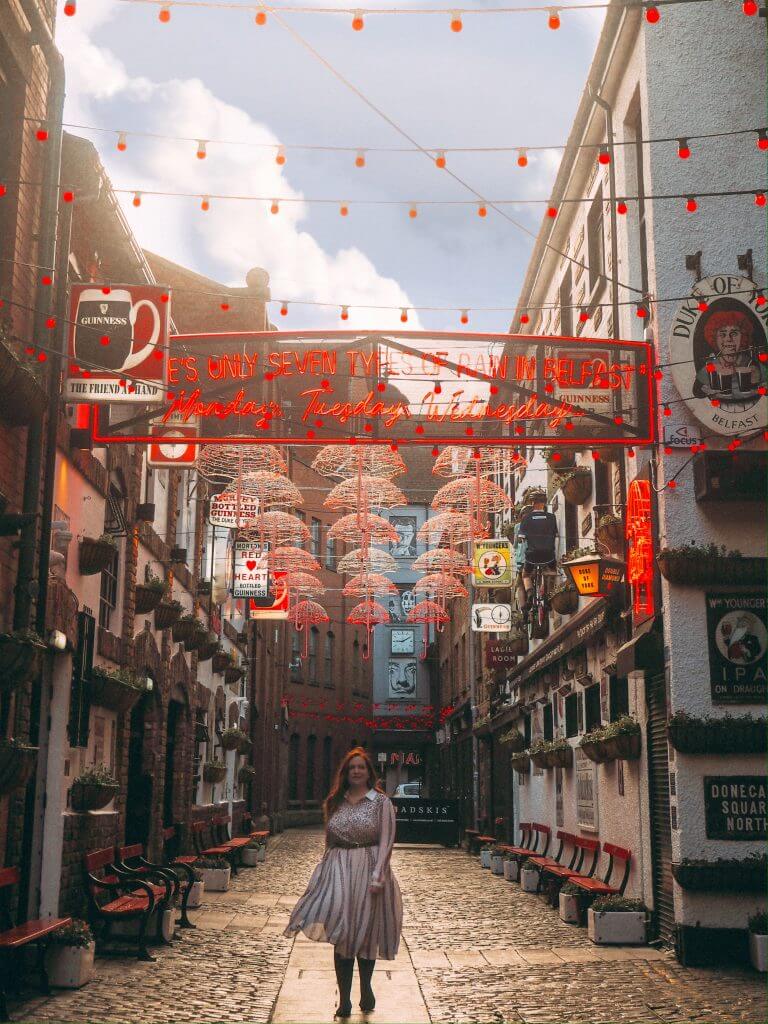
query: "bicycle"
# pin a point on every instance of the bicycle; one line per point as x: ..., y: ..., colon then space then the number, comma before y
x: 537, y: 611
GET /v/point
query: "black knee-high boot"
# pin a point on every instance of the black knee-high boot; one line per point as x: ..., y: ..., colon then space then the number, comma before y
x: 365, y: 969
x: 344, y: 969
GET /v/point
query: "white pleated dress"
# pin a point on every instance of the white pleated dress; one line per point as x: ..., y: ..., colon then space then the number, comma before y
x: 336, y: 906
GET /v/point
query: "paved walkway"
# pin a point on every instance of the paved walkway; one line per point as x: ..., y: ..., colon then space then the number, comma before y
x: 475, y: 949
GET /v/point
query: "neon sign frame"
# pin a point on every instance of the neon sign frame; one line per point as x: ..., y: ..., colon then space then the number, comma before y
x: 525, y: 422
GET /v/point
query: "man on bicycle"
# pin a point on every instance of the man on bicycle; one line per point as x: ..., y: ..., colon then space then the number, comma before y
x: 538, y: 529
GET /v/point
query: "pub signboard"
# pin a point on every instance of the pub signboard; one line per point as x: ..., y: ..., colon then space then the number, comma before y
x: 737, y: 629
x: 421, y: 820
x: 735, y: 807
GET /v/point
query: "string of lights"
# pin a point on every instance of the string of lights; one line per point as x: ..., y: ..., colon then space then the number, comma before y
x: 682, y: 141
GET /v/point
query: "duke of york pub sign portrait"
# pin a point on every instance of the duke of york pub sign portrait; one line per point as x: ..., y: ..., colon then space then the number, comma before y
x: 117, y: 343
x: 718, y: 355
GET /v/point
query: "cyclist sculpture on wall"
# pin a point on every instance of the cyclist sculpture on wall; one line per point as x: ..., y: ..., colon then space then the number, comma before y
x: 538, y: 530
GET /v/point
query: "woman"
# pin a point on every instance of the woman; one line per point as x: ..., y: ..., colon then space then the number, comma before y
x: 353, y: 900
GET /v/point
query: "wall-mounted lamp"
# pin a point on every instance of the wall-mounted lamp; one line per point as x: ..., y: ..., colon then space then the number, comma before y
x: 57, y: 640
x: 150, y: 684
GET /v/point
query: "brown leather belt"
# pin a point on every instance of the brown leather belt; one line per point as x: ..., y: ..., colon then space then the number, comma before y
x: 351, y: 846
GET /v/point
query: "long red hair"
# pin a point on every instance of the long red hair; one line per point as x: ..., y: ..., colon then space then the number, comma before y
x: 341, y: 781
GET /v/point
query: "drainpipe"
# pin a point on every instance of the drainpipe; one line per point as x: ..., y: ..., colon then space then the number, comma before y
x: 472, y: 703
x: 26, y: 583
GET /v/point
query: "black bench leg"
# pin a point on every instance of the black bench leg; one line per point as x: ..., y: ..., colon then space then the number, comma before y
x: 3, y: 986
x: 44, y: 986
x: 142, y: 951
x: 184, y: 921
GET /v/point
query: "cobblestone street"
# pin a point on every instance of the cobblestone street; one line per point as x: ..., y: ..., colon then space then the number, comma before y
x: 476, y: 948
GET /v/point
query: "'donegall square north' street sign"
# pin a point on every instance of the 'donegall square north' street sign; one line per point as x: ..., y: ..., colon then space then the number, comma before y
x: 404, y: 387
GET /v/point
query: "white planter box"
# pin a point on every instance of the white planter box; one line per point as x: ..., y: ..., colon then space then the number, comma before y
x: 511, y: 870
x: 159, y: 926
x: 569, y: 908
x: 758, y: 951
x: 249, y: 858
x: 196, y: 895
x: 617, y: 928
x: 216, y: 879
x: 485, y: 857
x: 261, y: 854
x: 497, y: 865
x: 69, y: 966
x: 529, y: 880
x: 167, y: 924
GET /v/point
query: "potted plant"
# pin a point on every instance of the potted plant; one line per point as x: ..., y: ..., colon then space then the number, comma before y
x: 245, y: 746
x: 610, y: 531
x: 511, y: 868
x: 23, y: 398
x: 529, y: 876
x: 117, y: 689
x: 564, y: 598
x: 209, y: 646
x: 185, y: 628
x: 149, y: 594
x: 485, y: 856
x: 521, y: 762
x: 246, y: 774
x: 231, y: 738
x: 576, y: 485
x: 551, y: 753
x: 614, y: 741
x: 96, y: 554
x: 214, y: 771
x: 617, y: 921
x: 214, y: 872
x: 69, y: 955
x: 93, y: 789
x: 220, y: 661
x: 233, y: 674
x: 559, y: 458
x: 145, y: 512
x: 758, y: 941
x: 497, y: 861
x: 21, y: 658
x: 741, y: 734
x: 167, y: 613
x: 513, y: 739
x: 249, y: 855
x: 731, y: 874
x: 17, y: 764
x: 568, y: 903
x: 697, y: 564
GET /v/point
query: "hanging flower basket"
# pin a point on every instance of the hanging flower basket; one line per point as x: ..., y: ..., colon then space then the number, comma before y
x: 609, y: 452
x: 21, y: 658
x: 619, y: 740
x: 207, y: 650
x: 698, y: 566
x: 246, y: 774
x: 167, y: 613
x: 729, y: 735
x: 23, y: 399
x: 17, y: 764
x: 118, y: 691
x: 732, y: 875
x: 233, y: 675
x: 220, y: 662
x: 148, y: 596
x: 551, y: 754
x: 93, y: 789
x: 232, y: 738
x: 214, y: 771
x: 185, y: 629
x: 96, y: 555
x: 560, y: 458
x: 198, y: 639
x: 577, y: 485
x: 513, y: 740
x: 245, y: 746
x: 610, y: 531
x: 564, y: 600
x: 521, y: 762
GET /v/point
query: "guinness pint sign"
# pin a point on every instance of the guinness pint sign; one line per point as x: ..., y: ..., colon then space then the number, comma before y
x: 718, y: 355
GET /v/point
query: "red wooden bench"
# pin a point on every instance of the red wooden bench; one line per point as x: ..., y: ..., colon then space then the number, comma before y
x: 132, y: 899
x: 471, y: 834
x: 216, y: 848
x: 529, y: 845
x: 542, y: 861
x: 248, y: 827
x: 180, y: 877
x: 556, y: 875
x: 594, y: 887
x: 15, y: 937
x: 221, y: 824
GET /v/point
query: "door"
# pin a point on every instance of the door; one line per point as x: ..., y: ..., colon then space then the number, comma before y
x: 138, y: 800
x: 658, y: 783
x: 174, y: 711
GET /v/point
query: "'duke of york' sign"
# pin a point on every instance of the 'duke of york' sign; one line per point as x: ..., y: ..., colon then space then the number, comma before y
x: 414, y: 387
x: 735, y: 806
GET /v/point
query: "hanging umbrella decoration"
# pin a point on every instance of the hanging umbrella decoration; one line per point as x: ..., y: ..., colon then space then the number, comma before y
x: 224, y: 463
x: 442, y: 560
x: 304, y: 614
x: 487, y: 460
x: 288, y: 558
x: 363, y: 492
x: 367, y: 584
x: 358, y: 459
x: 476, y: 497
x: 369, y: 614
x: 452, y: 527
x: 427, y: 613
x: 366, y: 560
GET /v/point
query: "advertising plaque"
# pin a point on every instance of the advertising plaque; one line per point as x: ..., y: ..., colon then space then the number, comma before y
x: 737, y: 631
x: 492, y: 563
x: 250, y: 577
x: 491, y: 618
x: 735, y: 806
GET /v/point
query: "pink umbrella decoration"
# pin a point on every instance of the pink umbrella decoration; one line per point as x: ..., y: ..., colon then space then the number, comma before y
x: 363, y: 491
x: 474, y: 495
x: 442, y: 584
x: 304, y: 614
x: 223, y: 463
x: 427, y: 612
x: 288, y: 559
x: 368, y: 614
x: 271, y: 489
x: 442, y: 560
x: 368, y: 528
x: 372, y: 459
x: 458, y: 460
x: 366, y: 584
x: 303, y: 583
x: 276, y: 528
x: 455, y: 527
x: 367, y: 560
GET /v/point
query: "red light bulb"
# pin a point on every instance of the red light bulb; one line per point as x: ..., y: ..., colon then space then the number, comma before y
x: 41, y: 135
x: 522, y: 158
x: 750, y: 8
x: 261, y: 18
x: 683, y: 149
x: 464, y: 318
x: 691, y: 205
x: 759, y: 198
x: 652, y: 15
x: 552, y: 211
x: 604, y: 157
x: 360, y: 159
x: 68, y: 197
x: 403, y: 316
x: 762, y: 139
x: 456, y: 23
x: 482, y: 210
x: 357, y: 21
x: 70, y: 8
x: 345, y: 312
x: 165, y: 15
x: 553, y: 21
x: 122, y: 142
x: 284, y: 309
x: 621, y: 207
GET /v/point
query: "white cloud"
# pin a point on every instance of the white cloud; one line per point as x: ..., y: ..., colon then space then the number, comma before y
x: 234, y: 235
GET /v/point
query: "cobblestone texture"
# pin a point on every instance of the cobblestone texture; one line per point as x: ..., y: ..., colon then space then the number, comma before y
x: 482, y: 951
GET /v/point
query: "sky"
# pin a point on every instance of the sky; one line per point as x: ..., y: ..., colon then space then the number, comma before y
x: 504, y: 80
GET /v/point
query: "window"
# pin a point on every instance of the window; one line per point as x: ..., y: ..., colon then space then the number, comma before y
x: 527, y: 730
x: 595, y: 241
x: 618, y: 696
x: 330, y: 551
x: 293, y: 767
x: 566, y: 311
x: 602, y: 487
x: 313, y: 634
x: 592, y: 716
x: 571, y: 715
x: 571, y: 514
x: 314, y: 536
x: 296, y: 671
x: 549, y: 724
x: 327, y: 763
x: 329, y: 638
x: 309, y: 784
